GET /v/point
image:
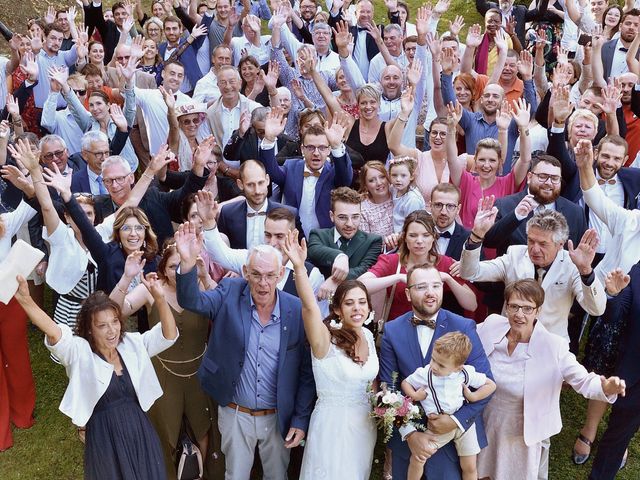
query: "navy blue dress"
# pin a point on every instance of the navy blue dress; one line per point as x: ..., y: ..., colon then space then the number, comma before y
x: 121, y: 443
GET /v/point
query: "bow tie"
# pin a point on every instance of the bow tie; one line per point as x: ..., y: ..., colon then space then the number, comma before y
x: 611, y: 181
x: 362, y: 29
x: 446, y: 234
x: 256, y: 214
x: 431, y: 323
x: 311, y: 174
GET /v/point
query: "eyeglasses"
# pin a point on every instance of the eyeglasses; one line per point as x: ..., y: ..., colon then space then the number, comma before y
x: 269, y: 277
x: 423, y: 287
x: 190, y: 121
x: 439, y: 206
x: 117, y: 180
x: 123, y: 57
x: 545, y: 177
x: 99, y: 155
x: 514, y: 308
x: 323, y: 149
x: 135, y: 228
x: 346, y: 218
x: 50, y: 155
x: 435, y: 133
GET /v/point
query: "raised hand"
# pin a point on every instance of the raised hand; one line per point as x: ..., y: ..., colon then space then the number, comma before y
x: 127, y: 25
x: 274, y: 124
x: 562, y: 74
x: 60, y: 75
x: 423, y: 18
x: 341, y: 35
x: 137, y: 50
x: 503, y: 116
x: 392, y: 5
x: 21, y: 150
x: 485, y: 217
x: 198, y: 31
x: 54, y: 179
x: 30, y: 66
x: 563, y: 55
x: 374, y: 31
x: 501, y: 41
x: 510, y: 27
x: 448, y: 61
x: 134, y: 264
x: 613, y: 385
x: 13, y: 107
x: 169, y: 99
x: 583, y: 153
x: 582, y: 256
x: 474, y: 36
x: 117, y: 116
x: 5, y: 129
x: 245, y: 122
x: 271, y: 78
x: 522, y: 113
x: 525, y: 65
x: 306, y: 61
x: 297, y: 252
x: 339, y: 124
x: 435, y: 46
x: 128, y: 71
x: 406, y: 101
x: 414, y: 73
x: 160, y: 160
x: 154, y: 285
x: 15, y: 176
x: 189, y: 245
x: 456, y: 25
x: 279, y: 18
x: 204, y: 151
x: 296, y: 88
x: 208, y: 208
x: 454, y: 114
x: 15, y: 42
x: 615, y: 281
x: 254, y: 23
x: 597, y: 38
x: 562, y: 108
x: 526, y: 206
x: 82, y: 49
x: 50, y: 15
x: 611, y: 95
x: 441, y: 7
x: 36, y: 43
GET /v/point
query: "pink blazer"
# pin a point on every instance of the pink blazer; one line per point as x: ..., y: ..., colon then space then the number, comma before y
x: 549, y: 364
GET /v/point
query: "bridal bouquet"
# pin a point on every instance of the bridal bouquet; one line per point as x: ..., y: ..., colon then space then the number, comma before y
x: 391, y: 408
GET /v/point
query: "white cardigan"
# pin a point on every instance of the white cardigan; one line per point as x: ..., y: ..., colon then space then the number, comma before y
x: 89, y: 375
x: 549, y: 364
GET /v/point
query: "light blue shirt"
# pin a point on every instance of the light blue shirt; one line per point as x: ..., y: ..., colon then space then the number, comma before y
x: 61, y: 123
x: 257, y: 385
x: 66, y: 58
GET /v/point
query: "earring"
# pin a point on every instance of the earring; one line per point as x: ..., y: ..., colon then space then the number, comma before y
x: 336, y: 324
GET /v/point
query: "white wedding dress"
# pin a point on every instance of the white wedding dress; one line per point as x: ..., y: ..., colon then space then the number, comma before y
x: 341, y: 434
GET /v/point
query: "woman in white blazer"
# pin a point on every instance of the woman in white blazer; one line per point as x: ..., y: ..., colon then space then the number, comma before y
x: 111, y: 382
x: 529, y: 365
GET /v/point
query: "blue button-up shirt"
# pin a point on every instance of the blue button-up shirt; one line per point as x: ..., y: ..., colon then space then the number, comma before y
x: 66, y: 58
x: 258, y: 381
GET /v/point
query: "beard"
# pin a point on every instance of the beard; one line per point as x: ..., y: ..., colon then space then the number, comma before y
x: 426, y: 312
x: 544, y: 198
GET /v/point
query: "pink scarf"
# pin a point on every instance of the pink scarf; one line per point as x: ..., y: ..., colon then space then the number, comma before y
x: 482, y: 56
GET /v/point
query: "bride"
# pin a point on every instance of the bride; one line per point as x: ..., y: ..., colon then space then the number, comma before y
x: 344, y: 362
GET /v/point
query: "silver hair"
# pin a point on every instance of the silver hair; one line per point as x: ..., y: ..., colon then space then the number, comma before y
x: 391, y: 27
x: 264, y: 250
x: 116, y: 160
x: 284, y: 91
x: 50, y: 139
x: 259, y: 114
x: 551, y: 221
x: 93, y: 136
x: 321, y: 26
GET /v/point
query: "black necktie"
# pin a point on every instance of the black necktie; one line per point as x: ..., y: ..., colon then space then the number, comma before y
x: 344, y: 243
x: 446, y: 234
x: 431, y: 323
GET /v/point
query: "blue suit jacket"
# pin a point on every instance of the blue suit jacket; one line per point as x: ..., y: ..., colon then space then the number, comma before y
x: 229, y: 306
x: 400, y: 353
x: 188, y: 58
x: 233, y: 221
x: 290, y: 176
x: 80, y: 181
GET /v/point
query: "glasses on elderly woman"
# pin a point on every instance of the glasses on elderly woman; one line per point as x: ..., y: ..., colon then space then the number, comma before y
x: 513, y: 308
x: 189, y: 121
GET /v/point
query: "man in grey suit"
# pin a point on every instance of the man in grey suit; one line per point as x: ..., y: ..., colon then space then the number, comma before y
x: 614, y: 52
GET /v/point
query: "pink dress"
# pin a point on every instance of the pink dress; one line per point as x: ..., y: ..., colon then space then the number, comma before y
x: 472, y: 192
x: 377, y: 217
x: 426, y: 177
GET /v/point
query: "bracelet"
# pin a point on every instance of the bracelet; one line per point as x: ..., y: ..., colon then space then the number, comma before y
x: 478, y: 237
x: 120, y: 290
x: 403, y: 120
x: 35, y: 182
x: 144, y: 174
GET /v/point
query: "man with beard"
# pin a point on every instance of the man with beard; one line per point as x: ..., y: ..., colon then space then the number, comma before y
x: 543, y: 193
x: 614, y: 52
x: 445, y: 208
x: 406, y: 345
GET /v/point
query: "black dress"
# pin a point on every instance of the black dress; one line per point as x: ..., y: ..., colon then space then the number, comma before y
x: 376, y: 150
x: 120, y: 443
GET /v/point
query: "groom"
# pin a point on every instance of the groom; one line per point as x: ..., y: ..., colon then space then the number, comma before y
x: 407, y: 346
x: 257, y: 365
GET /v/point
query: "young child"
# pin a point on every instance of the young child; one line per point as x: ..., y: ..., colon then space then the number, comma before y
x: 406, y: 196
x: 440, y: 387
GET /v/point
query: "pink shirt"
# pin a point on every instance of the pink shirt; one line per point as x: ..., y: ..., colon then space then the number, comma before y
x: 472, y: 193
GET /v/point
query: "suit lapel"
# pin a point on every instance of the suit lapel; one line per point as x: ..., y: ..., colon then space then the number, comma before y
x: 242, y: 223
x: 285, y: 328
x: 555, y: 270
x: 245, y: 314
x: 298, y: 172
x: 321, y: 181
